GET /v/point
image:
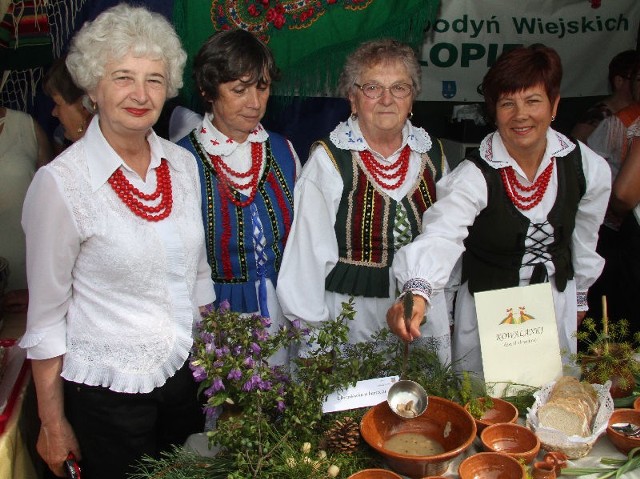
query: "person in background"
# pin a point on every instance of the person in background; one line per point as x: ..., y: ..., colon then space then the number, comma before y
x: 625, y: 202
x: 361, y: 196
x: 24, y: 148
x: 247, y: 174
x: 72, y: 108
x: 523, y: 209
x: 620, y: 84
x: 116, y: 266
x: 613, y: 139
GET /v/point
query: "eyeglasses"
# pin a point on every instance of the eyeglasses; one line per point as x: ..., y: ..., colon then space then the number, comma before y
x: 375, y: 90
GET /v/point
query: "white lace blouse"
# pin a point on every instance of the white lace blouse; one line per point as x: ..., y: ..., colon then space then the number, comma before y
x: 115, y: 294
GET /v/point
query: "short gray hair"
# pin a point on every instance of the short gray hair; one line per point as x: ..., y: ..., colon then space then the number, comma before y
x: 121, y: 30
x: 374, y: 52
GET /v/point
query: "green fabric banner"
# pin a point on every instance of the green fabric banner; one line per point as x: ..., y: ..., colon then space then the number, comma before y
x: 309, y: 39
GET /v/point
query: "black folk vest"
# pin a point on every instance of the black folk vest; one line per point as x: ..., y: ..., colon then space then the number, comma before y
x: 496, y: 242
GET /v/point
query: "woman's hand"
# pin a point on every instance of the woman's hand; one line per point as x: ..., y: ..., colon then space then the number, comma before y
x: 55, y: 441
x: 396, y: 321
x: 581, y: 315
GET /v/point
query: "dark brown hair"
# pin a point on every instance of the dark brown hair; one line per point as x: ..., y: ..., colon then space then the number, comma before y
x: 58, y: 81
x: 520, y: 69
x: 228, y: 56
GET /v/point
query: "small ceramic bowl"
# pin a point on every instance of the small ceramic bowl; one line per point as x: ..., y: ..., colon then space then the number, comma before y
x: 517, y: 441
x: 502, y: 411
x: 375, y: 474
x: 559, y: 460
x: 444, y: 422
x: 636, y: 403
x: 489, y: 465
x: 622, y: 417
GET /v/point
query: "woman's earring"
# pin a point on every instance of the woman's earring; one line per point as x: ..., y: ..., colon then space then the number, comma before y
x: 410, y: 115
x: 354, y: 116
x: 553, y: 117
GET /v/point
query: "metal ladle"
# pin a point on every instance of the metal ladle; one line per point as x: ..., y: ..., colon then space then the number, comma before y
x: 407, y: 398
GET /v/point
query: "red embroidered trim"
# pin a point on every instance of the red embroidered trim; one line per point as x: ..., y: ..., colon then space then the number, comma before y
x: 282, y: 205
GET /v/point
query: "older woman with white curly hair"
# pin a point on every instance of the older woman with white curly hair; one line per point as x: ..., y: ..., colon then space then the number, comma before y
x: 117, y: 268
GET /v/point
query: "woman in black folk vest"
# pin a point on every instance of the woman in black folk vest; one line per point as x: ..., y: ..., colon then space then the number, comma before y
x: 360, y: 198
x: 525, y: 208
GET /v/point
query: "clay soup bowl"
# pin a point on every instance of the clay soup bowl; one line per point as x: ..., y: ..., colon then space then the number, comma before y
x: 502, y: 411
x: 517, y: 441
x: 491, y: 465
x: 444, y: 422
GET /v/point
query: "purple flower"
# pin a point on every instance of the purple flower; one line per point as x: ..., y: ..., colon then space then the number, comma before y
x: 235, y: 373
x: 281, y: 407
x: 249, y: 362
x: 266, y: 322
x: 295, y: 324
x: 255, y: 349
x: 222, y: 352
x: 248, y: 386
x: 261, y: 335
x: 265, y: 385
x: 224, y: 306
x: 206, y: 337
x: 199, y: 373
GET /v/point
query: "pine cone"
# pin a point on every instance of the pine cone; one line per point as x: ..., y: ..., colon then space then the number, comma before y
x: 344, y: 436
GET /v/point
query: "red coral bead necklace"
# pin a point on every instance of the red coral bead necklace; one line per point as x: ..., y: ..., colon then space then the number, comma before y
x: 225, y: 172
x: 382, y: 174
x: 131, y: 196
x: 537, y: 190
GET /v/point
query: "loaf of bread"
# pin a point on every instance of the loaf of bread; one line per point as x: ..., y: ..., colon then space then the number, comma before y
x: 571, y: 407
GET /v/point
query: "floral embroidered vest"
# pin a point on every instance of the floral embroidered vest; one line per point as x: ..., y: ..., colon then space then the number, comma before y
x: 229, y: 228
x: 365, y: 223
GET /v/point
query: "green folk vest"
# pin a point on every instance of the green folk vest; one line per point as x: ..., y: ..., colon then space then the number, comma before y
x: 496, y: 242
x: 365, y: 223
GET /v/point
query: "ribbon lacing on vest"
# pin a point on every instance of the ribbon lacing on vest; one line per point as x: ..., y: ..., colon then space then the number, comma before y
x: 539, y: 236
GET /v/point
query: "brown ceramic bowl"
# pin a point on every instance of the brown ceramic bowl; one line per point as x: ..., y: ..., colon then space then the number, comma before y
x: 490, y: 465
x: 636, y: 403
x: 502, y: 411
x: 623, y: 416
x: 375, y: 474
x: 444, y: 422
x: 517, y: 441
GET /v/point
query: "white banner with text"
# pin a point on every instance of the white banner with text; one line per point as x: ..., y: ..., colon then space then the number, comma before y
x: 468, y: 36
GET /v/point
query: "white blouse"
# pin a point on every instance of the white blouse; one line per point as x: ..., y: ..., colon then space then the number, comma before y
x: 115, y: 294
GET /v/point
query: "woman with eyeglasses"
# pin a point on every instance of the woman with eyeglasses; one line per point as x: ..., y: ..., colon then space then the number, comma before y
x: 360, y: 198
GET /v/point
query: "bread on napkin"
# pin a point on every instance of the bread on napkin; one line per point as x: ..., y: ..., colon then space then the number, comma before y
x: 571, y: 407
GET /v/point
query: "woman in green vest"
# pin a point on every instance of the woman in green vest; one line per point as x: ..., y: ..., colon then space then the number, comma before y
x: 360, y: 197
x: 524, y: 209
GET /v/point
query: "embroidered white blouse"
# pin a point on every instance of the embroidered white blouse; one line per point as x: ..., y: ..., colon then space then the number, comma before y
x: 115, y: 294
x: 312, y: 247
x: 462, y: 195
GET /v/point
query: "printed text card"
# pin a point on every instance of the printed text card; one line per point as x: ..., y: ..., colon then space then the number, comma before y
x: 518, y: 336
